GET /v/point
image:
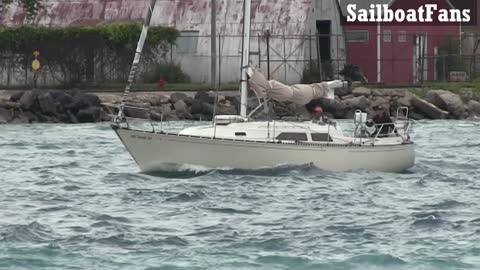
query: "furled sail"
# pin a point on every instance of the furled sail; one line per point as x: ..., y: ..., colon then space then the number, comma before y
x: 300, y: 94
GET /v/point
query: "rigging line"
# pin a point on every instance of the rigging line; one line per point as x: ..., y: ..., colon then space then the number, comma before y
x: 138, y: 54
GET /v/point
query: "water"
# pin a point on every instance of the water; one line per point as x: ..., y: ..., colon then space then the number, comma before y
x: 72, y: 198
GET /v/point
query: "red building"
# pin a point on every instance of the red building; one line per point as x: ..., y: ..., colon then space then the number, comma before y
x: 398, y: 53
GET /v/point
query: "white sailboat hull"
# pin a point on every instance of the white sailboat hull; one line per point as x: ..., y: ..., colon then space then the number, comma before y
x: 153, y: 151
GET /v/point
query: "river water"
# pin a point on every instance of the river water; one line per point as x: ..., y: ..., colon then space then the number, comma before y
x: 72, y: 198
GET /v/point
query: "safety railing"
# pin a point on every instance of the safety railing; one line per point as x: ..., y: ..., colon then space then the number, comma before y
x: 117, y: 121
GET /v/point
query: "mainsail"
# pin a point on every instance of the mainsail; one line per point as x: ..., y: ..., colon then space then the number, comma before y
x: 300, y: 94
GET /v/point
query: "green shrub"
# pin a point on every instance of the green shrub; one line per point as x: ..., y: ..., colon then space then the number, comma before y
x: 172, y: 73
x: 311, y: 73
x: 449, y: 57
x: 86, y: 53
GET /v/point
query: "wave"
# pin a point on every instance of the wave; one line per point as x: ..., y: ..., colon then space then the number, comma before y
x: 185, y: 171
x: 231, y: 211
x: 186, y: 197
x: 447, y: 204
x: 376, y: 260
x: 428, y: 220
x: 34, y: 232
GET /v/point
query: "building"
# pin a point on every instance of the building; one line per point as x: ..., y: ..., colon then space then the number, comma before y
x: 292, y: 24
x: 397, y: 53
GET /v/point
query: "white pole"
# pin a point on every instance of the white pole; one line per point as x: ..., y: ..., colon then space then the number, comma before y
x: 245, y: 58
x: 379, y: 53
x: 213, y: 41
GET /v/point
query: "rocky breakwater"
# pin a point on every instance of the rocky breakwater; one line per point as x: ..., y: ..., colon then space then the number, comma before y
x: 54, y: 106
x: 176, y: 106
x: 437, y: 104
x: 76, y: 107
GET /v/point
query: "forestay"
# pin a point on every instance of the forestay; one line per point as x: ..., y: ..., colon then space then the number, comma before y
x: 300, y: 94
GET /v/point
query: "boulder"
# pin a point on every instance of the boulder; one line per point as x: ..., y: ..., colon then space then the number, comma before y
x: 377, y: 92
x: 23, y: 117
x: 135, y: 113
x: 221, y: 99
x: 159, y: 100
x: 82, y: 101
x: 429, y: 109
x: 10, y: 105
x: 28, y: 101
x: 175, y: 97
x: 357, y: 103
x: 197, y: 107
x: 380, y: 101
x: 405, y: 101
x: 171, y: 117
x: 346, y: 97
x: 165, y: 109
x: 447, y: 101
x: 467, y: 94
x: 72, y: 118
x: 397, y: 92
x: 47, y: 104
x: 16, y: 97
x: 182, y: 109
x: 335, y: 107
x: 62, y: 100
x: 208, y: 111
x: 226, y: 109
x: 89, y: 115
x: 5, y: 116
x: 204, y: 97
x: 343, y: 91
x: 362, y: 91
x: 235, y: 100
x: 189, y: 101
x: 474, y: 107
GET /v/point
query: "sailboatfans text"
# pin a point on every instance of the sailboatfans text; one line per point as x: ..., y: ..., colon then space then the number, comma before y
x: 425, y: 13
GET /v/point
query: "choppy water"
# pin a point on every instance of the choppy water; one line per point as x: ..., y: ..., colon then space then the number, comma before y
x: 72, y: 198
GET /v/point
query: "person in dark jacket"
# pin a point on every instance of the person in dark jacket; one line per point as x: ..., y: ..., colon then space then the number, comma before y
x: 382, y: 122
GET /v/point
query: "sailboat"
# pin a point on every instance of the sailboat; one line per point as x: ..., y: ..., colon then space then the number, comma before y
x: 239, y: 142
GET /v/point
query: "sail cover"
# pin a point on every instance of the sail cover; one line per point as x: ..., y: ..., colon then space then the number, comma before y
x: 300, y: 94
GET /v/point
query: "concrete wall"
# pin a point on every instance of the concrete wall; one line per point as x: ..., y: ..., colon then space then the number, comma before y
x: 287, y: 18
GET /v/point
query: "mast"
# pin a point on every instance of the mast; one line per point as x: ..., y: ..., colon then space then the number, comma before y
x: 213, y: 41
x: 245, y: 57
x: 138, y: 54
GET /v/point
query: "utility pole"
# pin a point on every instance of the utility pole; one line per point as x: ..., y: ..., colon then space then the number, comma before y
x: 214, y: 45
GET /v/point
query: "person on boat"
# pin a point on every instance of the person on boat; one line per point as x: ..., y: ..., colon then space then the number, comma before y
x: 382, y: 122
x: 318, y: 114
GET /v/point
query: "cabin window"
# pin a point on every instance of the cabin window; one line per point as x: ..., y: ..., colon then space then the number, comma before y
x: 357, y: 36
x: 243, y: 134
x: 187, y: 42
x: 321, y: 137
x: 402, y: 36
x: 291, y: 136
x: 387, y: 36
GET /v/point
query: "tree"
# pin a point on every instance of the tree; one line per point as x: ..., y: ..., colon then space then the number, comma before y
x: 30, y: 6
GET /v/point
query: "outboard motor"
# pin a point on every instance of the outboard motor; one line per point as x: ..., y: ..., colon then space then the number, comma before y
x: 360, y: 122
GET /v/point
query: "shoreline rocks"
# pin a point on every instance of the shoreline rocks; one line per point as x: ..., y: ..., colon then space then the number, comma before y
x: 56, y: 106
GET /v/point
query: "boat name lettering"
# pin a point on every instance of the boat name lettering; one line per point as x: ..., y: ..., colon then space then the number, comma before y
x: 141, y: 137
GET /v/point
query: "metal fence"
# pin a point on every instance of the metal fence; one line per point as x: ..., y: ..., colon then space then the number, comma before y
x: 405, y: 59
